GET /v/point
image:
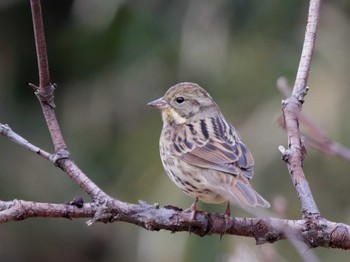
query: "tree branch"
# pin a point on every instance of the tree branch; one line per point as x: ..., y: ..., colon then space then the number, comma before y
x: 291, y: 108
x: 6, y: 131
x: 45, y: 90
x: 45, y: 94
x: 19, y: 210
x: 152, y: 217
x: 317, y: 138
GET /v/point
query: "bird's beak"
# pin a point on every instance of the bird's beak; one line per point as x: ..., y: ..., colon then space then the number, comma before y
x: 159, y: 103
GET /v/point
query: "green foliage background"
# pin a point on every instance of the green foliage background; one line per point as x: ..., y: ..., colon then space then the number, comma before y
x: 109, y: 58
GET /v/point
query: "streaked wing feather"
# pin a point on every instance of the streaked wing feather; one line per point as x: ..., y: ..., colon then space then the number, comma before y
x: 206, y: 161
x: 222, y: 150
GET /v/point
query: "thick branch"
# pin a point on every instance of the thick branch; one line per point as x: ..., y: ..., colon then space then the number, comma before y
x: 19, y: 210
x: 291, y: 109
x: 317, y: 232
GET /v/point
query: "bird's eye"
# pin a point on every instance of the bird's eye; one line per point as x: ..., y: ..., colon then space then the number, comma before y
x: 180, y: 100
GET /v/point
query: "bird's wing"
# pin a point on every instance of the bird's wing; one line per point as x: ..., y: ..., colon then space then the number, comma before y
x: 213, y: 143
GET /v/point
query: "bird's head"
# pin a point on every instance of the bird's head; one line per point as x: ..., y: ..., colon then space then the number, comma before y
x: 183, y: 103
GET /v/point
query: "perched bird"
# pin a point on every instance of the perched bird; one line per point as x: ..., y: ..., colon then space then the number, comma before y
x: 201, y: 152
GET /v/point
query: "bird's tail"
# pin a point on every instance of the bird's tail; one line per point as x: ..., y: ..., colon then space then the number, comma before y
x: 243, y: 194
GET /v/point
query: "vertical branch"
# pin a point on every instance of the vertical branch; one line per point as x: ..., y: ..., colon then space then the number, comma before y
x: 291, y: 107
x: 43, y: 66
x: 308, y: 48
x: 45, y: 90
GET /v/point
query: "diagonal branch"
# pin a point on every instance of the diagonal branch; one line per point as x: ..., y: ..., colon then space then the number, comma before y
x: 45, y: 94
x: 45, y: 90
x: 291, y: 109
x: 6, y: 131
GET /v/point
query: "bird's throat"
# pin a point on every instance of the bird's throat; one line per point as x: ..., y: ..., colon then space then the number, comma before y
x: 170, y: 116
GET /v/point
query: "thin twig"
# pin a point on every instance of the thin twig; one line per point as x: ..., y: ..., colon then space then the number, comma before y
x: 308, y: 48
x: 45, y: 89
x: 291, y: 109
x: 6, y: 131
x: 40, y: 43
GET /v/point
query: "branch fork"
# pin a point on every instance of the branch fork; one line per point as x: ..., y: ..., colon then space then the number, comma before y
x: 45, y: 94
x: 59, y: 155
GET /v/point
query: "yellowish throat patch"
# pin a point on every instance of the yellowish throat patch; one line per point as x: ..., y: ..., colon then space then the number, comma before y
x: 170, y: 115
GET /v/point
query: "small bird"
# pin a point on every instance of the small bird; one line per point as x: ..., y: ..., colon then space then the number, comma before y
x: 201, y: 152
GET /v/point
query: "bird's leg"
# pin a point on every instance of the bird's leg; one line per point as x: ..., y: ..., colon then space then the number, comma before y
x: 193, y: 213
x: 194, y: 209
x: 227, y: 211
x: 226, y: 216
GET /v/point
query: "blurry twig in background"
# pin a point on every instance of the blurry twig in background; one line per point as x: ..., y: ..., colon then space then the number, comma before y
x: 317, y: 138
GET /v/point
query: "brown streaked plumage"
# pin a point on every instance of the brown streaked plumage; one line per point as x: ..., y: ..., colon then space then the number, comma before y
x: 201, y: 152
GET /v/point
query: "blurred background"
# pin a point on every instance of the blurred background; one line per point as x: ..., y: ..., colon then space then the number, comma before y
x: 109, y: 58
